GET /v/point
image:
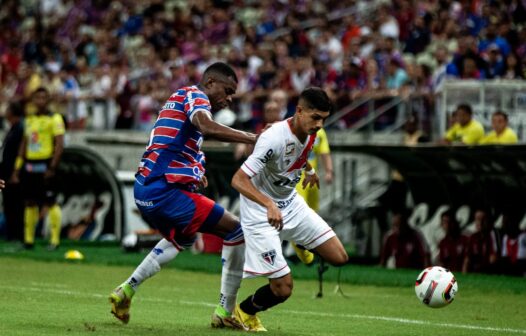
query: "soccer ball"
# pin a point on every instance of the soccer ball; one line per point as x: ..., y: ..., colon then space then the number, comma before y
x: 436, y: 287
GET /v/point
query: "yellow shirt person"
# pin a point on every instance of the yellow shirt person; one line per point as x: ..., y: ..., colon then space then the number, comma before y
x: 320, y: 148
x: 469, y: 134
x: 507, y: 137
x: 40, y: 132
x: 38, y: 158
x: 501, y: 133
x: 465, y: 130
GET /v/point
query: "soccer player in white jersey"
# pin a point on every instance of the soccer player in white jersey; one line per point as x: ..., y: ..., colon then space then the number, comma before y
x: 271, y: 210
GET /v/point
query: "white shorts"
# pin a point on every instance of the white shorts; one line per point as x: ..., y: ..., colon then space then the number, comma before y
x: 263, y: 255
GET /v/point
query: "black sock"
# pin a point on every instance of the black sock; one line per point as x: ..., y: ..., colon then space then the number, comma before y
x: 262, y: 300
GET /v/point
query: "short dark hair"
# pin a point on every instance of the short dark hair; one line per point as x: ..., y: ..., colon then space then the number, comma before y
x: 316, y: 98
x: 220, y: 68
x: 500, y: 113
x: 466, y: 108
x: 16, y: 108
x: 41, y: 89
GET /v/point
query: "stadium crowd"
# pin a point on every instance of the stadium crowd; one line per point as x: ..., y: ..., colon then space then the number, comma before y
x: 487, y: 245
x: 111, y: 64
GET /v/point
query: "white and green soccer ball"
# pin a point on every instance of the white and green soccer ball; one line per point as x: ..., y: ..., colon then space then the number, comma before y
x: 436, y: 287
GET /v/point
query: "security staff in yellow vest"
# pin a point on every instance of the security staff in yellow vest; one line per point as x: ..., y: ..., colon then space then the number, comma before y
x: 35, y: 167
x: 501, y: 134
x: 466, y: 130
x: 320, y: 151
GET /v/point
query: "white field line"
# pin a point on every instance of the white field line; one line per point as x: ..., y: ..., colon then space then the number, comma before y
x: 296, y: 312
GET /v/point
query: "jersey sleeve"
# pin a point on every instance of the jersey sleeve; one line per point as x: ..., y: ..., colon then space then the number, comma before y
x: 58, y: 125
x: 196, y: 101
x: 323, y: 147
x: 264, y: 151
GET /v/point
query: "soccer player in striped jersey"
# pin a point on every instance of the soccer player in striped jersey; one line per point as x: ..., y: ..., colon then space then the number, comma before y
x: 170, y: 172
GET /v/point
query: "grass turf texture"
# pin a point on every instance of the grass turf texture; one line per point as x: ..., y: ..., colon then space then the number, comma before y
x: 41, y: 295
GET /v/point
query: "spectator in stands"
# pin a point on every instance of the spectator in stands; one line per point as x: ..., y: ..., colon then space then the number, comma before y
x: 483, y: 246
x: 413, y: 135
x: 452, y: 248
x: 76, y: 113
x: 280, y: 97
x: 501, y: 133
x: 266, y: 36
x: 102, y: 112
x: 12, y: 195
x: 439, y: 74
x: 513, y: 68
x: 466, y: 130
x: 513, y: 244
x: 495, y: 60
x: 271, y: 114
x: 419, y: 36
x: 396, y: 76
x: 403, y: 246
x: 470, y: 69
x: 492, y: 38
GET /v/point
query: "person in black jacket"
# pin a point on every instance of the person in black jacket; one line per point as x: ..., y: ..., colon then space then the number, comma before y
x: 12, y: 196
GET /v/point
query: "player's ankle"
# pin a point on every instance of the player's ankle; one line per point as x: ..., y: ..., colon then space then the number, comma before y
x: 221, y: 311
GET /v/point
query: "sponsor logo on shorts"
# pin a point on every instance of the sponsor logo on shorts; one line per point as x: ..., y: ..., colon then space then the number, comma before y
x: 283, y: 204
x: 144, y: 203
x: 269, y: 256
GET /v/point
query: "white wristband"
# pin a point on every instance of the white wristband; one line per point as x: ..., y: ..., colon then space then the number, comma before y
x: 310, y: 172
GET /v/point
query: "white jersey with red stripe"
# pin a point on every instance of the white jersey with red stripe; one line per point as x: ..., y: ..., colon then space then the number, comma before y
x: 277, y: 161
x: 275, y: 169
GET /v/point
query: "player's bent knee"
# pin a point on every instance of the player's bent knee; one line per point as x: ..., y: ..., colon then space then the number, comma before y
x: 339, y: 259
x: 281, y: 288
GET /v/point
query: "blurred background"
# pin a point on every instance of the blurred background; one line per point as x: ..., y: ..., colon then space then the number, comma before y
x: 408, y: 189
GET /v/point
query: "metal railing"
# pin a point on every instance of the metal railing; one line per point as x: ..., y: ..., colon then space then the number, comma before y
x: 485, y: 97
x: 377, y: 107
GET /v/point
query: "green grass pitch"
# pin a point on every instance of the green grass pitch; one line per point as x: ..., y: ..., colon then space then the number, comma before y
x: 41, y: 295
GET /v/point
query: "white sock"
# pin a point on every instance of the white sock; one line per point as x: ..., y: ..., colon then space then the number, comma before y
x: 161, y: 254
x: 233, y: 260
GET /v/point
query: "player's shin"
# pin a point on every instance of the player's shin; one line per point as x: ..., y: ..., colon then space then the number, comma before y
x: 161, y: 254
x: 55, y: 222
x: 233, y: 258
x: 30, y: 222
x: 262, y: 300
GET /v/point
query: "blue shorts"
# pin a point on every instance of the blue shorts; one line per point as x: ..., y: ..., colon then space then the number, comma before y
x: 178, y: 214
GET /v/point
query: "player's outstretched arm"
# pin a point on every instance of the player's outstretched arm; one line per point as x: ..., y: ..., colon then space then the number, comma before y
x: 241, y: 182
x: 212, y: 129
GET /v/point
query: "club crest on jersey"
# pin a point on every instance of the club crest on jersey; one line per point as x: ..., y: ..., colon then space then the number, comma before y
x: 290, y: 149
x: 269, y: 256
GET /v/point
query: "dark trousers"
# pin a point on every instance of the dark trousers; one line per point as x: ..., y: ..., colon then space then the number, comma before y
x: 14, y: 211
